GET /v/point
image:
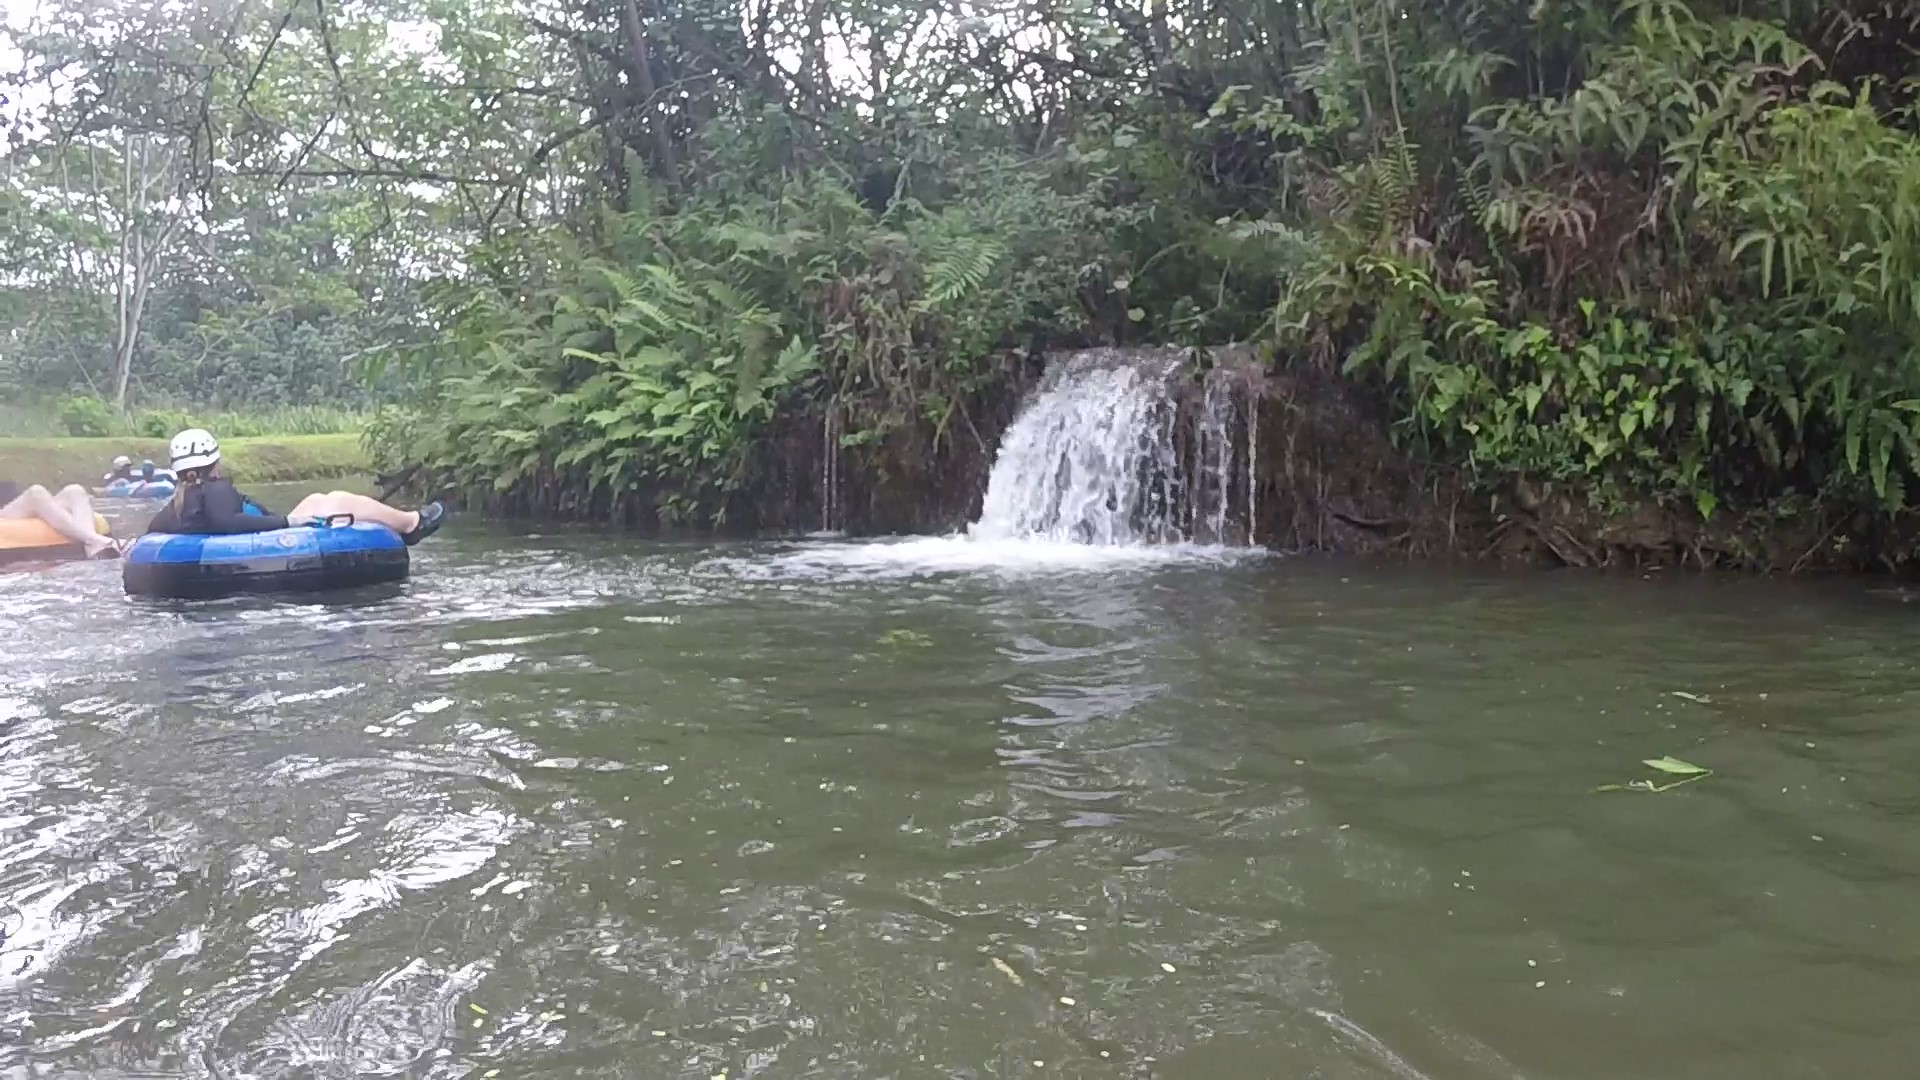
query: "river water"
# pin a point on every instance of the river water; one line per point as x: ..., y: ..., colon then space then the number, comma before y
x: 572, y: 805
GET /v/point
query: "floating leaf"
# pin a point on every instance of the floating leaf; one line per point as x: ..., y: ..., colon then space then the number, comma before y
x: 1675, y: 766
x: 1687, y: 771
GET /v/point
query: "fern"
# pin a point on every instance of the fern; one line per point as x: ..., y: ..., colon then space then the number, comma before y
x: 1381, y: 191
x: 625, y: 286
x: 958, y: 262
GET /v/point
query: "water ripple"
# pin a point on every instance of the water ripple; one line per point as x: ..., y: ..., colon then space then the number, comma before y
x: 581, y: 807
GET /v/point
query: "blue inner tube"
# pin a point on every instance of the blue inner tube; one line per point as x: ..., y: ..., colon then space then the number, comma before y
x: 300, y: 559
x: 138, y: 489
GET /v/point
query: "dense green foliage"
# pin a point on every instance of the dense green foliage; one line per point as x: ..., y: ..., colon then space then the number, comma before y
x: 1686, y: 272
x: 1627, y: 251
x: 162, y: 243
x: 646, y: 364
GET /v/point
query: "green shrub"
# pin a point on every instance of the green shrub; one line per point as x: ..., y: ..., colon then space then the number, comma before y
x: 86, y: 417
x: 162, y: 423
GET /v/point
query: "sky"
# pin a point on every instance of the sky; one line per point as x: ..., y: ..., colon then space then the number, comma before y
x: 12, y: 13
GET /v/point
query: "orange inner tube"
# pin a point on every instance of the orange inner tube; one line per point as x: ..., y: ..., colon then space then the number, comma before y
x: 22, y: 535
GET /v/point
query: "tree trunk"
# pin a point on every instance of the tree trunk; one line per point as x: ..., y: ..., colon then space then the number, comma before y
x: 123, y: 288
x: 139, y: 252
x: 640, y: 64
x: 130, y: 325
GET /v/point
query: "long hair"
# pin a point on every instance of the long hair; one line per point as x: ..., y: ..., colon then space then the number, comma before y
x: 186, y: 478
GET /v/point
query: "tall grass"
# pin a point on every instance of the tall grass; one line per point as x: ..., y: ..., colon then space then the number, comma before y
x: 84, y: 417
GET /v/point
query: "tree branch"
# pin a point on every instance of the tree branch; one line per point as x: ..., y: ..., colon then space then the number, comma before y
x: 266, y: 53
x: 581, y: 38
x: 306, y: 149
x: 551, y: 93
x: 640, y: 65
x: 379, y: 172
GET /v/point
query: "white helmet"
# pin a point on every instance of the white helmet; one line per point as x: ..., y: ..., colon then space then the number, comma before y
x: 194, y: 448
x: 122, y: 462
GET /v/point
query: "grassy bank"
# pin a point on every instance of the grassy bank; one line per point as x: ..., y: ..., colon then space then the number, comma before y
x: 261, y: 460
x: 84, y: 417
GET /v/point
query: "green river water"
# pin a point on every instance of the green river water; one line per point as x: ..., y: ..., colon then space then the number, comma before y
x: 576, y: 805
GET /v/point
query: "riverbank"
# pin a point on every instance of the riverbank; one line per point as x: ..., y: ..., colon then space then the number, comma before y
x: 261, y: 460
x: 1286, y: 452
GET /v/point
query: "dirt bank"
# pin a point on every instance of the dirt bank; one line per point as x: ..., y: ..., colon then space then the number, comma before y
x: 1331, y: 479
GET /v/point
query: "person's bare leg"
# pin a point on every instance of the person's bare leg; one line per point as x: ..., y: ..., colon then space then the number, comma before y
x: 76, y: 501
x: 327, y: 504
x: 36, y: 502
x: 25, y: 504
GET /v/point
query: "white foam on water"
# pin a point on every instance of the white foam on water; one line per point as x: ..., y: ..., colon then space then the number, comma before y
x: 964, y: 554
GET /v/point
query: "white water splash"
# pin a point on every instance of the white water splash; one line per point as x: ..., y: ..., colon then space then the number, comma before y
x: 1087, y: 461
x: 911, y: 558
x: 1102, y: 470
x: 1096, y: 458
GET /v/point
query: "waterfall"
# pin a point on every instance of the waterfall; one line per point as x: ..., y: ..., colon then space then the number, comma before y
x: 1124, y: 447
x: 829, y: 466
x: 1213, y: 463
x: 1253, y: 478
